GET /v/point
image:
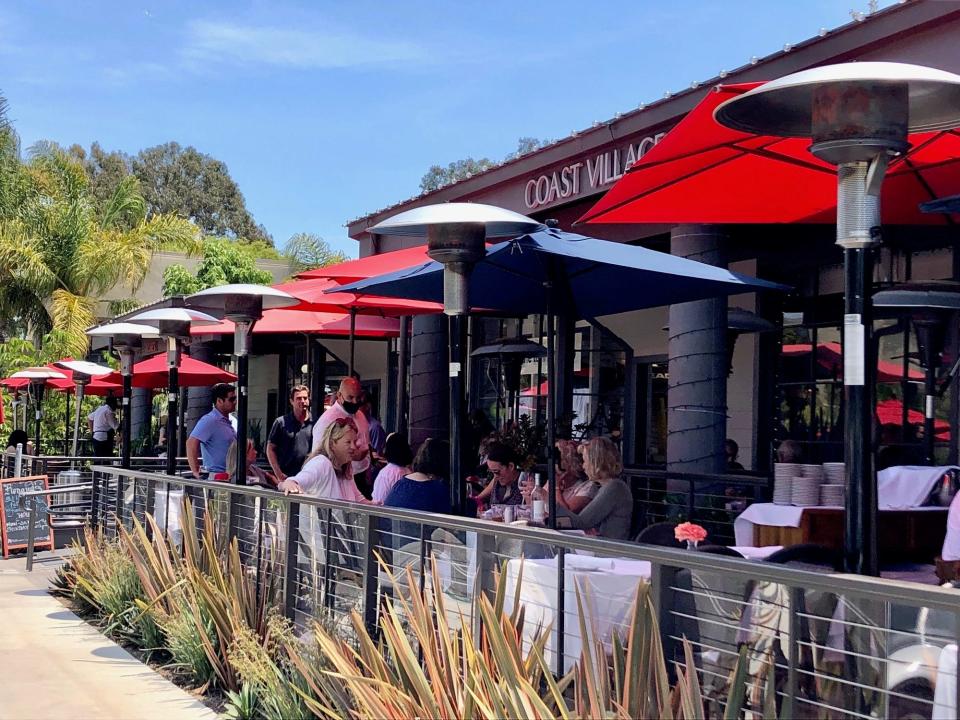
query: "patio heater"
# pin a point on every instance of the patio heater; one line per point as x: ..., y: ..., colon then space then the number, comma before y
x: 243, y: 304
x: 858, y: 115
x: 126, y: 338
x: 456, y: 234
x: 931, y: 306
x: 83, y: 372
x: 173, y: 325
x: 511, y: 353
x: 38, y: 377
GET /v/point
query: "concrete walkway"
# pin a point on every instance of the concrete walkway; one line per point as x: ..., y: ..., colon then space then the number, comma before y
x: 55, y: 665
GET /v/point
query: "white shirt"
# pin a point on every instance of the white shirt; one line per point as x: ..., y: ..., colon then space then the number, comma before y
x: 104, y: 420
x: 951, y: 542
x: 363, y: 432
x: 386, y: 479
x: 318, y: 479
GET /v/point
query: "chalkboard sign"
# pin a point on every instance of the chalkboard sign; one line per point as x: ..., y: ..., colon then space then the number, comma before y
x: 15, y: 521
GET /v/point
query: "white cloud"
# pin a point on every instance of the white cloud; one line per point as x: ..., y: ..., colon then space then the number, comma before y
x: 213, y: 42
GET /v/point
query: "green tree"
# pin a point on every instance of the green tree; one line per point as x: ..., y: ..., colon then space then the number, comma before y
x: 188, y: 183
x: 306, y: 251
x: 438, y: 176
x: 60, y: 252
x: 224, y: 261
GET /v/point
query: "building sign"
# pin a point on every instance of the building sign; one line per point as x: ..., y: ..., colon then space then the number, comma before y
x: 587, y: 175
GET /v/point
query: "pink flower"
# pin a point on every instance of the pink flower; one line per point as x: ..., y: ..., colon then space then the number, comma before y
x: 689, y: 531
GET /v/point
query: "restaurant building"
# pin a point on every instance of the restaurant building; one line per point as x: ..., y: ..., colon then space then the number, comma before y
x: 781, y: 384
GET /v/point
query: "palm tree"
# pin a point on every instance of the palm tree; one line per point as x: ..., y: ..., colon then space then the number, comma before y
x: 59, y: 252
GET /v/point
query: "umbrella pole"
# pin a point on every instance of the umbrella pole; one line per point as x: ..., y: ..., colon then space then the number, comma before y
x: 66, y: 424
x: 173, y: 397
x: 353, y: 339
x: 38, y: 414
x: 76, y: 421
x: 403, y: 362
x: 551, y: 407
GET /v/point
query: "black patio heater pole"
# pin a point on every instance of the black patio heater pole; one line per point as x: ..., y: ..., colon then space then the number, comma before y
x: 458, y: 246
x: 353, y: 340
x: 173, y: 398
x: 126, y: 371
x: 551, y: 406
x: 38, y: 412
x: 241, y: 349
x: 403, y: 361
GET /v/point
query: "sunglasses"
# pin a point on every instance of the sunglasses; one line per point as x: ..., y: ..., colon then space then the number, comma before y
x: 345, y: 422
x: 231, y: 398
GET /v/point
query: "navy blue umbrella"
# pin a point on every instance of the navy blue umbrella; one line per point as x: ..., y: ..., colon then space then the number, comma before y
x: 591, y: 277
x: 551, y: 271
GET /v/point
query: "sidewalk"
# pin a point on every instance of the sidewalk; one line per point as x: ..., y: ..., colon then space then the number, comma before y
x: 58, y: 666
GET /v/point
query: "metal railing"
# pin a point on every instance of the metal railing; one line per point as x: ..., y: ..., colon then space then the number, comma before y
x: 836, y: 645
x: 711, y: 499
x: 53, y: 465
x: 36, y: 501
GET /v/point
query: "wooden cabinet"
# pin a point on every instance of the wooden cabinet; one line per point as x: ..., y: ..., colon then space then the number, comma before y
x: 904, y: 535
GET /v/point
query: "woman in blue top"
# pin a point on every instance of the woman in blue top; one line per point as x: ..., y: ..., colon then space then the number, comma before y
x: 425, y: 488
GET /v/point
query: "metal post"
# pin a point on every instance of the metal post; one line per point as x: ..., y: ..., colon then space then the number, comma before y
x: 95, y: 501
x: 371, y: 573
x: 457, y: 495
x: 31, y: 533
x: 173, y: 398
x: 860, y: 527
x: 551, y: 409
x: 403, y: 368
x: 562, y: 609
x: 126, y: 368
x: 81, y: 387
x: 290, y: 564
x: 66, y: 423
x: 38, y: 414
x: 243, y: 365
x: 789, y: 708
x: 353, y: 339
x: 318, y: 378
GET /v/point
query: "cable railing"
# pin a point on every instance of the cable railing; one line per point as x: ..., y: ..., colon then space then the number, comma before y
x: 830, y: 644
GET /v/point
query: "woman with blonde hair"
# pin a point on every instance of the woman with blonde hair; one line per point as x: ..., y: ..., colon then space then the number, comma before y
x: 576, y: 489
x: 610, y: 511
x: 255, y: 476
x: 327, y: 473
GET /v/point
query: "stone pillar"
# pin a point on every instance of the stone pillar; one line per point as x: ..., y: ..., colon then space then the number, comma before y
x: 199, y: 399
x: 429, y: 404
x: 141, y: 410
x: 697, y: 390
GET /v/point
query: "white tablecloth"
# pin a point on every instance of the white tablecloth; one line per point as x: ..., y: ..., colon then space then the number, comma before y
x: 907, y: 486
x: 756, y: 553
x: 945, y: 696
x: 607, y: 588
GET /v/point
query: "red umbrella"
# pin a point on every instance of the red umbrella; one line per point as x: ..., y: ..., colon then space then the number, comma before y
x: 830, y: 357
x: 314, y: 296
x: 318, y: 323
x: 152, y: 373
x: 703, y: 172
x: 371, y: 265
x: 890, y: 412
x: 51, y: 383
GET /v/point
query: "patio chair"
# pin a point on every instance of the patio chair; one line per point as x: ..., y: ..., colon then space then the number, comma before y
x: 660, y: 533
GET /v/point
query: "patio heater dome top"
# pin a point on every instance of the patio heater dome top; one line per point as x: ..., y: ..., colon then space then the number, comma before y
x: 175, y: 314
x: 497, y: 221
x: 511, y: 346
x: 123, y: 328
x: 930, y: 295
x: 84, y: 367
x: 786, y: 107
x: 39, y: 373
x: 240, y: 301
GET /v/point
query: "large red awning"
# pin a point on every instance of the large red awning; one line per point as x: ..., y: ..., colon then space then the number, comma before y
x: 703, y: 172
x: 371, y: 265
x: 315, y: 323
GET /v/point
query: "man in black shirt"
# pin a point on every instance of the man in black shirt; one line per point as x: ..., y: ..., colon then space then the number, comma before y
x: 289, y: 441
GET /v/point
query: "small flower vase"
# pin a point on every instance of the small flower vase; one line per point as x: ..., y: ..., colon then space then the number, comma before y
x: 692, y: 544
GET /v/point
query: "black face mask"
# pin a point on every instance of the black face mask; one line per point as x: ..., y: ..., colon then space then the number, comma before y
x: 350, y: 407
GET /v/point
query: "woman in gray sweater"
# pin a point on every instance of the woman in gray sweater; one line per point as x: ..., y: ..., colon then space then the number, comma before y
x: 610, y: 511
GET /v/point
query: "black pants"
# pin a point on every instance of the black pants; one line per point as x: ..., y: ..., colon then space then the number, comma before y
x: 103, y: 448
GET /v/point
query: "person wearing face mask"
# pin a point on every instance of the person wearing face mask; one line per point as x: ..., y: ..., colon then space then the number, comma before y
x: 349, y: 401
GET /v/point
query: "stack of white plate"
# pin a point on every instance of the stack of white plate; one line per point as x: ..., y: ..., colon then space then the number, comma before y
x: 805, y: 491
x: 833, y: 473
x: 832, y: 494
x: 813, y: 472
x: 783, y: 475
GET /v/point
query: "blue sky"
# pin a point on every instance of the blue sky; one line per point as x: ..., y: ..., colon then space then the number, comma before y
x: 327, y: 111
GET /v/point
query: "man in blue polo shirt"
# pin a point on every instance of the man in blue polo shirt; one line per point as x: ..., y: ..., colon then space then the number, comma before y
x: 213, y: 434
